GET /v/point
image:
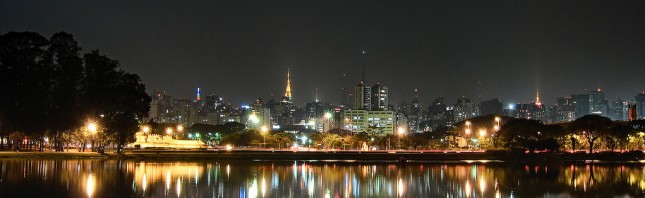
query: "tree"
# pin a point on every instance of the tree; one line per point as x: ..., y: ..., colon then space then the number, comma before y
x: 117, y: 97
x: 529, y: 134
x: 23, y: 83
x: 618, y: 135
x: 592, y: 127
x: 67, y: 69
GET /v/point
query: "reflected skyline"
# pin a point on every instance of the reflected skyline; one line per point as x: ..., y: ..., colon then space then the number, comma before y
x: 112, y: 178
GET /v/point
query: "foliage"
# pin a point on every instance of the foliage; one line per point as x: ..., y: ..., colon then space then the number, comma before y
x: 529, y: 134
x: 592, y: 127
x: 52, y: 88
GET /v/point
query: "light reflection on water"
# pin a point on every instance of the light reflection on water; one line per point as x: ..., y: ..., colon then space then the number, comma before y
x: 112, y: 178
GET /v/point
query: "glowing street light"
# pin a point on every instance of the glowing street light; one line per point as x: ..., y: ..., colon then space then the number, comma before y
x: 180, y: 128
x: 264, y: 130
x: 328, y: 117
x: 468, y: 131
x: 169, y: 131
x: 498, y: 121
x: 482, y: 132
x: 145, y: 129
x: 92, y: 127
x: 401, y: 132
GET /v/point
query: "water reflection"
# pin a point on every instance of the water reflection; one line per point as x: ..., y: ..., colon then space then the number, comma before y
x: 111, y: 178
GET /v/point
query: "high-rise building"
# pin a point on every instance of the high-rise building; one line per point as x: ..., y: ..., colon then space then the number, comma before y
x: 598, y: 103
x: 362, y: 97
x: 491, y: 107
x: 464, y: 109
x: 581, y: 102
x: 438, y: 114
x: 620, y: 110
x: 640, y: 105
x: 376, y: 122
x: 565, y: 110
x: 258, y: 115
x: 379, y: 97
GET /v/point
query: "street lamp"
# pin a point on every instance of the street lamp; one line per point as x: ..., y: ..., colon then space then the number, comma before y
x: 401, y: 132
x: 468, y: 131
x: 145, y: 129
x: 263, y: 130
x: 92, y: 128
x: 169, y: 131
x: 328, y: 117
x: 497, y: 123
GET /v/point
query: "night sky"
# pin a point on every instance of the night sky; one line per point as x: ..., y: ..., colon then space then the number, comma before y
x: 242, y: 49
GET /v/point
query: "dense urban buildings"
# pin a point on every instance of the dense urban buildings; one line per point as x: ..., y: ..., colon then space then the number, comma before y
x: 372, y: 112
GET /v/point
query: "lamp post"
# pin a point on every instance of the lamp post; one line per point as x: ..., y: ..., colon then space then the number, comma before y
x: 169, y: 131
x: 145, y: 129
x: 401, y: 132
x: 328, y: 117
x: 468, y: 131
x: 498, y: 121
x: 92, y: 128
x: 482, y: 136
x: 263, y: 131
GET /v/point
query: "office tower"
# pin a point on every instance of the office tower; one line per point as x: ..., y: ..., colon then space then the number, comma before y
x: 379, y: 97
x: 581, y: 102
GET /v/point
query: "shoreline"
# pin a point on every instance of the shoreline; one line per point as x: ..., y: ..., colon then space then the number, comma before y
x: 346, y: 156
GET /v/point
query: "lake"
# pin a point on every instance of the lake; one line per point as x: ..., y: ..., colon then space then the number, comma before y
x: 130, y: 178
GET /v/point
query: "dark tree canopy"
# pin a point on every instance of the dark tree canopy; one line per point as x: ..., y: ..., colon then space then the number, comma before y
x: 47, y: 86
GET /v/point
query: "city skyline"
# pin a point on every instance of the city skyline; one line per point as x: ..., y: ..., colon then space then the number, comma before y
x: 240, y: 51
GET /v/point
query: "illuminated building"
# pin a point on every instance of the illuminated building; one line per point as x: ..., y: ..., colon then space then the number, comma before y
x: 581, y: 102
x: 379, y: 122
x: 598, y: 103
x: 379, y: 97
x: 640, y: 105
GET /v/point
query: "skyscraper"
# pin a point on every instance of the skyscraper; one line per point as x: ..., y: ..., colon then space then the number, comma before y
x: 620, y: 110
x: 597, y: 103
x: 582, y: 104
x: 492, y: 106
x: 640, y: 105
x: 379, y: 97
x: 362, y: 97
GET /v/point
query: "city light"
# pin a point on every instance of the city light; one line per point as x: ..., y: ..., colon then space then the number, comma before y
x: 92, y: 127
x: 145, y: 129
x: 169, y: 131
x: 482, y: 132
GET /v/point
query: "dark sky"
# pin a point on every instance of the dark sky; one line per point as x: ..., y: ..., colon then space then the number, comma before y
x: 242, y: 49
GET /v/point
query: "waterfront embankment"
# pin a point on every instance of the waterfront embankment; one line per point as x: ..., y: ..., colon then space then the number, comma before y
x: 371, y: 156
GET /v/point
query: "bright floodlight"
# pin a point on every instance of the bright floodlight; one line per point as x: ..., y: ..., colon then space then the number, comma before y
x: 498, y: 119
x: 468, y: 123
x: 92, y: 127
x: 145, y: 129
x: 327, y: 115
x: 169, y: 130
x: 180, y: 128
x: 482, y: 132
x: 264, y: 129
x: 468, y: 131
x: 401, y: 130
x: 254, y: 118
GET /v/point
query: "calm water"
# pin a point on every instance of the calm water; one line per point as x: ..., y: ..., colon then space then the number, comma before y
x: 113, y: 178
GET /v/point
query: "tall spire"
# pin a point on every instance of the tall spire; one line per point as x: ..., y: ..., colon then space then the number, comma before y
x: 287, y: 92
x: 363, y: 73
x: 316, y: 99
x: 537, y: 98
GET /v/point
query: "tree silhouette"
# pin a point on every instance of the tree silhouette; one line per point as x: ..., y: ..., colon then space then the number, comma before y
x: 592, y: 127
